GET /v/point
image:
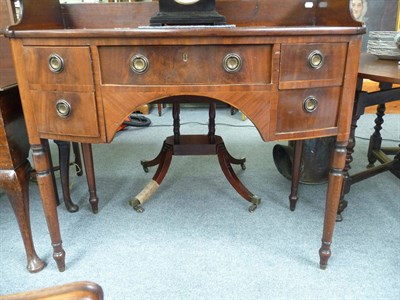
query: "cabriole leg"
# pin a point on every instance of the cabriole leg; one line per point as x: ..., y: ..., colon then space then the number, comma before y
x: 17, y: 191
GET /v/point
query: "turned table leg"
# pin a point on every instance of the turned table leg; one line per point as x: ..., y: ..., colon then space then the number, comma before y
x: 48, y: 194
x: 89, y: 170
x: 296, y: 173
x: 16, y: 186
x: 358, y: 110
x: 335, y: 182
x: 375, y: 142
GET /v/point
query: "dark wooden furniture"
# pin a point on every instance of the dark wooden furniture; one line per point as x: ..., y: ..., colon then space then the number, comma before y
x: 387, y: 73
x: 14, y: 145
x: 15, y: 168
x: 177, y: 144
x: 64, y: 149
x: 289, y: 66
x: 80, y: 290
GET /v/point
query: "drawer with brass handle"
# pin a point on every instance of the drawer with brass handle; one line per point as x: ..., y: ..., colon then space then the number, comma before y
x: 312, y: 65
x: 183, y: 65
x: 66, y: 113
x: 308, y: 109
x: 59, y: 68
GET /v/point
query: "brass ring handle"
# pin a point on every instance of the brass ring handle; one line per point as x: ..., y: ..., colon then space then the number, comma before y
x: 56, y: 63
x: 232, y: 63
x: 63, y: 108
x: 139, y: 64
x: 316, y: 59
x: 310, y: 104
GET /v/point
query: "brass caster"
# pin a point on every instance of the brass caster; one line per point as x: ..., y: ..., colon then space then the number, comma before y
x: 138, y: 208
x: 256, y: 201
x: 136, y: 205
x: 146, y: 169
x: 243, y: 166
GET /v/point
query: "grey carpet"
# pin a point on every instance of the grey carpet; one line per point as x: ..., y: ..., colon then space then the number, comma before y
x: 196, y: 239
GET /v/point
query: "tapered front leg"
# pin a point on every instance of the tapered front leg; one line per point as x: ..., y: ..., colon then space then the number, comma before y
x: 296, y: 173
x: 335, y: 183
x: 48, y: 195
x: 89, y: 169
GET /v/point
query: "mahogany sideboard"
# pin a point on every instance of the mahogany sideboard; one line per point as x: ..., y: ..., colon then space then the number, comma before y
x: 289, y: 66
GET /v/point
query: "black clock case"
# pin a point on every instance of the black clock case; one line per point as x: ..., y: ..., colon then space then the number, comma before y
x: 199, y: 13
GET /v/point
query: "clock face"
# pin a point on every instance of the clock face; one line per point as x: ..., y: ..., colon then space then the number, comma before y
x: 186, y: 2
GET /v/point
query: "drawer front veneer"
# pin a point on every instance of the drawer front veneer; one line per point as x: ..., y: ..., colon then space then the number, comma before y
x: 308, y: 109
x: 184, y: 65
x: 312, y: 65
x: 56, y: 68
x: 52, y: 116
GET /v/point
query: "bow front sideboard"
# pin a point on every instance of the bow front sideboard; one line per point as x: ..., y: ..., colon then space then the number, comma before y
x: 289, y: 66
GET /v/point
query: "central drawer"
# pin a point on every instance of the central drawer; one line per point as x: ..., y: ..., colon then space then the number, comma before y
x: 186, y: 65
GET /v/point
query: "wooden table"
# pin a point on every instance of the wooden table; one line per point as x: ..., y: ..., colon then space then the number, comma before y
x: 290, y: 68
x: 386, y: 73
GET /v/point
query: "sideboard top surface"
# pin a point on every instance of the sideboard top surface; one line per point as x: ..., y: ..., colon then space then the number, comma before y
x: 253, y: 17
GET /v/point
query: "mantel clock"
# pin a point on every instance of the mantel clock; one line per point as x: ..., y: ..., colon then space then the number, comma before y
x: 187, y: 12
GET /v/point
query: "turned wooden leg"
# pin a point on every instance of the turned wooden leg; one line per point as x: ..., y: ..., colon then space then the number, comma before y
x: 159, y: 107
x: 48, y: 195
x: 33, y: 173
x: 375, y: 141
x: 296, y: 171
x: 89, y: 169
x: 16, y: 185
x: 335, y: 182
x: 358, y: 110
x: 63, y: 154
